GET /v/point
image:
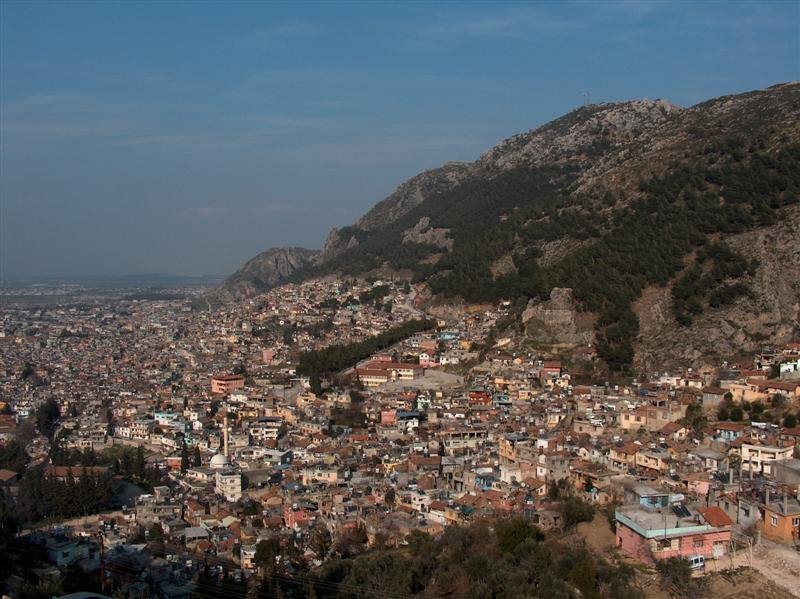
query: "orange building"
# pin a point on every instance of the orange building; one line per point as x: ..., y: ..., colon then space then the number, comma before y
x: 225, y: 383
x: 782, y: 520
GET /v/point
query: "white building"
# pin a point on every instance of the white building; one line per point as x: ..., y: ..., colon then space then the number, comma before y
x: 229, y: 485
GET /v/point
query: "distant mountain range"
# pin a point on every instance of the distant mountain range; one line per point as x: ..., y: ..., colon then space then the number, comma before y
x: 116, y: 281
x: 678, y: 229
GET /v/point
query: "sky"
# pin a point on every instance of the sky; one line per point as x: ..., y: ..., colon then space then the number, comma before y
x: 184, y: 138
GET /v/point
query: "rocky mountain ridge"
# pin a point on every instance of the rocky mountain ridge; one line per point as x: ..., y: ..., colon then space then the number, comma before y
x: 573, y: 138
x: 632, y: 188
x: 264, y: 271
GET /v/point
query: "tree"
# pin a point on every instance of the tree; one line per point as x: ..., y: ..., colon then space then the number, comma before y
x: 196, y: 459
x: 139, y: 464
x: 13, y: 456
x: 778, y: 400
x: 676, y: 577
x: 184, y: 457
x: 266, y: 553
x: 251, y: 508
x: 46, y: 417
x: 574, y: 510
x: 790, y: 420
x: 259, y: 586
x: 321, y: 542
x: 514, y: 531
x: 420, y: 543
x: 389, y: 498
x: 696, y: 418
x: 156, y: 532
x: 315, y: 382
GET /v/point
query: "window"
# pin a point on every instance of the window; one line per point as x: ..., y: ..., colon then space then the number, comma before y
x: 697, y: 543
x: 795, y: 521
x: 773, y: 520
x: 663, y: 545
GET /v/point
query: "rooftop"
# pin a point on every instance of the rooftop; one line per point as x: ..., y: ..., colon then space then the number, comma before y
x: 661, y: 523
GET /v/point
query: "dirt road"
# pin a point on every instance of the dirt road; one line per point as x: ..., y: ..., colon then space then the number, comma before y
x: 778, y: 563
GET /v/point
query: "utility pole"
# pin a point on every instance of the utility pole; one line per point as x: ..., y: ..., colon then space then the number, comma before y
x: 102, y: 563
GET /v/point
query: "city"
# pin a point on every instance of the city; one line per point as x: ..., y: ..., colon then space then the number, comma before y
x: 379, y: 300
x: 206, y: 441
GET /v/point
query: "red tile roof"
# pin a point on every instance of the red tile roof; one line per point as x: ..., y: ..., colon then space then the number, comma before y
x: 715, y: 516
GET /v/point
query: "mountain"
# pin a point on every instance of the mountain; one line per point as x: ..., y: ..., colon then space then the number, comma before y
x: 657, y: 217
x: 267, y: 270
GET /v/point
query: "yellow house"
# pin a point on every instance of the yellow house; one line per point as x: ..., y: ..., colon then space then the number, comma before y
x: 782, y: 520
x: 653, y: 459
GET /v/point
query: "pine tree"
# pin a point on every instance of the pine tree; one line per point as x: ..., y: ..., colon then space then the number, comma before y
x: 139, y: 463
x: 184, y: 457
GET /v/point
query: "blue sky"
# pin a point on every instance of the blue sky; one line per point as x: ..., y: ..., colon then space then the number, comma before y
x: 185, y: 138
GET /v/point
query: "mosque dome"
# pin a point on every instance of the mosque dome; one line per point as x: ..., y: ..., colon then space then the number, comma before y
x: 218, y: 462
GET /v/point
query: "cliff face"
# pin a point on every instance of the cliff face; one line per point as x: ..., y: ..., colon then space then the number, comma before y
x: 556, y: 321
x: 258, y: 274
x: 769, y: 315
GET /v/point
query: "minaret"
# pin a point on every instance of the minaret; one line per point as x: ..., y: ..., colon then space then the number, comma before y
x: 225, y: 437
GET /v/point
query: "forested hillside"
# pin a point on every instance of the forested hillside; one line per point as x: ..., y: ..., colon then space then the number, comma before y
x: 609, y: 200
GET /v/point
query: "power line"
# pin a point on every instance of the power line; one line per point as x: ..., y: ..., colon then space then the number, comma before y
x: 213, y: 590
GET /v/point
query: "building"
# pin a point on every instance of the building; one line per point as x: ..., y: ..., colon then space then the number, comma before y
x: 323, y: 475
x: 713, y: 397
x: 759, y: 458
x: 149, y: 508
x: 781, y: 519
x: 229, y: 485
x: 655, y: 460
x: 63, y: 551
x: 225, y: 383
x: 63, y: 473
x: 378, y: 372
x: 656, y: 528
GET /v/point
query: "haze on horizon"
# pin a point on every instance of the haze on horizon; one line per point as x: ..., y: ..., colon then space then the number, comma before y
x: 185, y: 138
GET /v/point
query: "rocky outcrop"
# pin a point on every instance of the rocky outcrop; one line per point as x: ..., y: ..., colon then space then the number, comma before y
x: 336, y: 243
x: 266, y: 270
x: 557, y: 321
x: 412, y: 193
x: 503, y: 266
x: 422, y: 232
x: 770, y: 315
x: 579, y: 137
x: 612, y: 146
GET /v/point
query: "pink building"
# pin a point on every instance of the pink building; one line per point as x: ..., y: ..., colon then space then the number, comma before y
x: 388, y: 417
x: 663, y: 531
